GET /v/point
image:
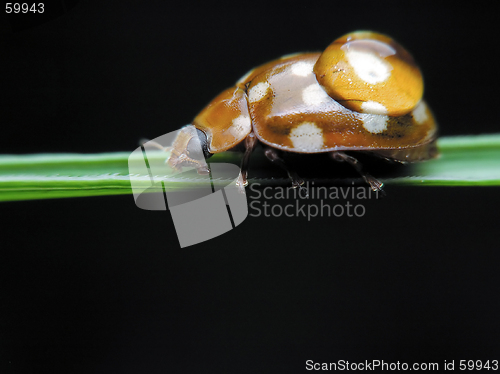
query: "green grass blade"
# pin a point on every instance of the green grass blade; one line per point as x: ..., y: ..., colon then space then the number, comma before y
x: 472, y: 160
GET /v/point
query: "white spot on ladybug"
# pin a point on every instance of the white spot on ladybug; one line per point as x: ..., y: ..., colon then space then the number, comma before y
x: 420, y: 113
x: 368, y: 66
x: 315, y: 95
x: 307, y: 137
x: 258, y: 92
x: 244, y: 78
x: 373, y: 107
x: 302, y: 68
x: 241, y: 126
x: 374, y: 123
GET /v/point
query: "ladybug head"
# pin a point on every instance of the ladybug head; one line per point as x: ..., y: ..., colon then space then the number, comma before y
x: 190, y: 149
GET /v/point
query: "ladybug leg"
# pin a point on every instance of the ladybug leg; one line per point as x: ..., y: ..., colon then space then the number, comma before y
x: 297, y: 182
x: 250, y: 143
x: 374, y: 183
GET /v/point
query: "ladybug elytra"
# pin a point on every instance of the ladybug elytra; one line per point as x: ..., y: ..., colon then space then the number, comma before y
x: 363, y: 93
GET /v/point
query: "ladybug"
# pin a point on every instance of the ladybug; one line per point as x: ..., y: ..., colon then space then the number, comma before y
x: 362, y: 94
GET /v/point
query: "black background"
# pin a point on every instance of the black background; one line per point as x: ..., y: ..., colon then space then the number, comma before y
x: 96, y: 285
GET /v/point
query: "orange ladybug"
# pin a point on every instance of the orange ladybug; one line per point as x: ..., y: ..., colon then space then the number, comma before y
x: 363, y: 93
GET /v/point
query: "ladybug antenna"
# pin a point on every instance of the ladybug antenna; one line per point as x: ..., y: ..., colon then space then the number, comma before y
x: 151, y: 143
